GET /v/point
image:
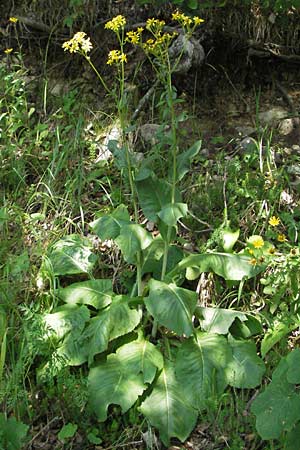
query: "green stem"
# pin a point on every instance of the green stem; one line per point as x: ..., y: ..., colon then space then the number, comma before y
x: 174, y: 163
x: 98, y: 74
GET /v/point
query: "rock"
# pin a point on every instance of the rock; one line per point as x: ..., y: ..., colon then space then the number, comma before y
x: 247, y: 145
x: 285, y: 127
x: 245, y: 131
x: 190, y: 51
x: 296, y: 148
x: 286, y: 198
x: 104, y: 153
x: 149, y: 132
x: 272, y: 116
x: 294, y: 169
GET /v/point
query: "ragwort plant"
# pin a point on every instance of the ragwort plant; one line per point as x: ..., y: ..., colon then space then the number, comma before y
x: 155, y: 346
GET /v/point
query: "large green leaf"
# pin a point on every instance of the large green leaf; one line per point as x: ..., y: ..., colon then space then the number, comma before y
x: 250, y: 327
x: 110, y: 383
x: 185, y: 159
x: 108, y: 226
x: 172, y: 306
x: 118, y: 319
x: 200, y: 365
x: 97, y: 293
x: 153, y: 195
x: 67, y: 318
x: 245, y: 370
x: 72, y: 255
x: 167, y: 408
x: 218, y: 320
x: 131, y: 240
x: 121, y: 378
x: 73, y: 351
x: 141, y: 356
x: 277, y: 409
x: 172, y: 212
x: 228, y: 266
x: 152, y: 256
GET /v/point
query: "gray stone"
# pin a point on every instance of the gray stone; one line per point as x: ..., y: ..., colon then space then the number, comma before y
x: 285, y: 127
x: 272, y: 116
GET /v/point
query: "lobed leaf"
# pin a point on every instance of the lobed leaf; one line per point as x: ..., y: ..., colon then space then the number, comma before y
x: 218, y: 320
x: 229, y: 266
x: 245, y: 369
x: 72, y: 255
x: 200, y: 366
x: 118, y: 319
x: 109, y: 225
x: 172, y: 306
x: 121, y: 379
x: 97, y: 293
x: 131, y: 240
x: 167, y: 408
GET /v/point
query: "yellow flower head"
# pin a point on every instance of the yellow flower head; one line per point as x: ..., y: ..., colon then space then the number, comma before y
x: 253, y: 262
x: 78, y: 44
x: 257, y: 242
x: 271, y: 250
x: 197, y: 20
x: 274, y: 221
x: 281, y: 238
x: 7, y: 51
x: 115, y: 57
x: 189, y: 23
x: 13, y: 20
x: 116, y: 23
x: 155, y: 25
x: 133, y: 37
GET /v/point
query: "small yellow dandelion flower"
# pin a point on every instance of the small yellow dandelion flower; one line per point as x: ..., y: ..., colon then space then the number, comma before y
x: 7, y: 51
x: 116, y: 23
x: 13, y: 20
x: 197, y: 20
x: 140, y: 30
x: 274, y: 221
x: 253, y: 262
x: 281, y: 238
x: 257, y: 242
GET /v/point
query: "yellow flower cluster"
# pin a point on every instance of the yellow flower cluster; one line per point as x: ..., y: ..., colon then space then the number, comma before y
x: 78, y: 44
x: 134, y: 36
x: 186, y: 21
x: 161, y: 43
x: 13, y: 20
x: 116, y: 23
x: 7, y: 51
x: 155, y: 25
x: 116, y: 57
